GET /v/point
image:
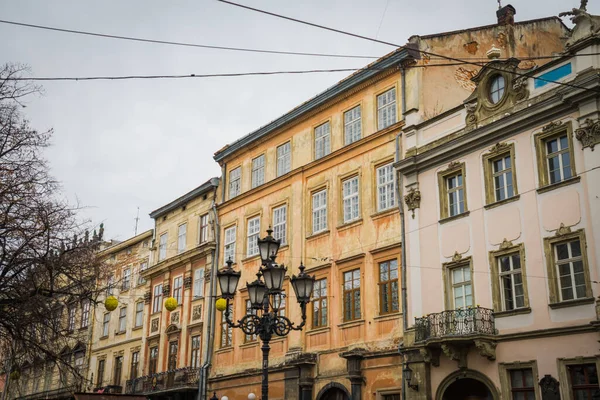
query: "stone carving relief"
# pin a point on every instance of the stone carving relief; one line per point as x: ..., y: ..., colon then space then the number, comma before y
x: 456, y: 257
x: 154, y: 325
x: 486, y: 349
x: 166, y: 289
x: 187, y: 282
x: 197, y: 312
x: 175, y: 317
x: 431, y: 355
x: 506, y: 244
x: 456, y: 353
x: 520, y: 88
x: 502, y: 40
x: 589, y: 135
x: 549, y: 387
x: 413, y: 200
x: 552, y: 125
x: 147, y: 297
x: 586, y: 24
x: 471, y: 119
x: 563, y: 230
x: 499, y: 148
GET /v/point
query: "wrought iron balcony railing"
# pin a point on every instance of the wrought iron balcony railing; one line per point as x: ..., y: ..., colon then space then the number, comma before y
x: 455, y: 323
x: 63, y: 392
x: 174, y: 379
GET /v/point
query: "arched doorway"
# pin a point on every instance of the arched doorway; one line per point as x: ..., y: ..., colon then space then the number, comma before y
x: 467, y: 385
x: 333, y: 391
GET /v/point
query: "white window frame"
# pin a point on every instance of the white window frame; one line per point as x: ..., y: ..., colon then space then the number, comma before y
x: 252, y: 232
x: 322, y: 140
x: 181, y: 238
x: 229, y: 244
x: 105, y: 324
x: 178, y: 289
x: 126, y: 279
x: 511, y: 274
x: 462, y: 284
x: 71, y: 318
x: 284, y: 158
x: 350, y: 199
x: 162, y: 246
x: 455, y: 208
x: 199, y: 283
x: 203, y: 229
x: 504, y: 174
x: 280, y: 223
x: 258, y: 171
x: 387, y: 114
x: 570, y: 261
x: 319, y: 211
x: 235, y: 182
x: 352, y: 125
x: 122, y: 319
x: 157, y: 296
x: 139, y: 314
x: 386, y: 187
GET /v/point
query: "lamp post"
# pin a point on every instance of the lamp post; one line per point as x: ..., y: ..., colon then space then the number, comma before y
x: 265, y: 297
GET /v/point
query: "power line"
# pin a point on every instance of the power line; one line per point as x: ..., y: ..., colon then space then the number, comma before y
x: 403, y: 47
x: 184, y: 44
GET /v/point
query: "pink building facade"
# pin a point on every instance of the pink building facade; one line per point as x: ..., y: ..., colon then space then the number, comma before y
x: 502, y: 233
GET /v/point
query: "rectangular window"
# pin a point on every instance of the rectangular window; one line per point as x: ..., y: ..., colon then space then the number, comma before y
x: 319, y: 211
x: 352, y: 125
x: 502, y: 175
x: 350, y: 199
x: 456, y: 194
x: 162, y: 247
x: 71, y: 318
x: 178, y: 289
x: 512, y: 291
x: 279, y: 304
x: 229, y: 253
x: 386, y: 109
x: 143, y: 267
x: 253, y: 232
x: 195, y: 358
x: 135, y: 363
x: 203, y: 231
x: 118, y: 370
x: 388, y: 287
x: 461, y: 287
x: 322, y: 140
x: 280, y: 224
x: 386, y: 191
x: 284, y: 159
x: 100, y: 375
x: 570, y: 270
x: 126, y: 279
x: 584, y: 381
x: 172, y: 360
x: 110, y: 283
x: 157, y: 301
x: 153, y: 361
x: 226, y: 330
x: 105, y: 324
x: 85, y: 313
x: 139, y: 314
x: 181, y: 238
x: 352, y: 295
x: 199, y: 283
x: 558, y: 158
x: 123, y: 319
x: 521, y: 384
x: 235, y: 182
x: 258, y: 171
x: 319, y: 303
x: 250, y: 311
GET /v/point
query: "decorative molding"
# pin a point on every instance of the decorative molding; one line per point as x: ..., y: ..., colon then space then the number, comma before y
x: 154, y: 325
x: 563, y: 230
x: 453, y: 165
x: 166, y: 289
x: 147, y: 297
x: 187, y: 282
x: 430, y: 356
x: 175, y: 317
x: 552, y: 125
x: 550, y: 388
x: 456, y: 257
x: 413, y: 200
x: 486, y: 349
x: 456, y: 353
x: 471, y: 118
x: 589, y: 136
x: 506, y: 244
x: 500, y: 147
x: 520, y: 88
x: 197, y: 312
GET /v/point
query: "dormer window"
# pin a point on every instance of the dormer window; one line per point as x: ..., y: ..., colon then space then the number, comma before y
x: 497, y: 86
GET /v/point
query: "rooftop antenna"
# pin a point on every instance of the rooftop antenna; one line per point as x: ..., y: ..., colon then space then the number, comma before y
x: 137, y: 219
x: 499, y: 4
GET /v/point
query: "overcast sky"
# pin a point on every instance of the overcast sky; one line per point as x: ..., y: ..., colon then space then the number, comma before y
x: 120, y: 145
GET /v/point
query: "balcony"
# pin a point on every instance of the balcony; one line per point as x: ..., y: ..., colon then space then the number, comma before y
x: 61, y: 393
x: 177, y: 379
x: 454, y: 331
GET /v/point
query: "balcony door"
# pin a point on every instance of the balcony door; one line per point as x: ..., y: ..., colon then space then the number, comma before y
x: 172, y: 362
x: 462, y: 319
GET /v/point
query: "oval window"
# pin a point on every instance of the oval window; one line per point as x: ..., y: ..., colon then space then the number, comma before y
x: 496, y: 89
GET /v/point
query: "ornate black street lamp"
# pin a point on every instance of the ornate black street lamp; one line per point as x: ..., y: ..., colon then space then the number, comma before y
x: 265, y: 297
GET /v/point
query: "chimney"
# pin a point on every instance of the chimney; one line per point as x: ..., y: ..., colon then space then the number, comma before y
x: 506, y: 15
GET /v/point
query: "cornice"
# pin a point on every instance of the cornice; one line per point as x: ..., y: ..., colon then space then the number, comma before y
x: 173, y: 262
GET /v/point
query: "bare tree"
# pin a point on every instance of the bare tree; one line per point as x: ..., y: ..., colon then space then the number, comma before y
x: 46, y: 271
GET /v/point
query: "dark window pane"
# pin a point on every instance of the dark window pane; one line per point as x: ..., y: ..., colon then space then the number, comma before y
x: 562, y: 251
x: 575, y: 248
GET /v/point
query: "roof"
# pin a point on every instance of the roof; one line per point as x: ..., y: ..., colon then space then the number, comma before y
x: 128, y: 242
x: 388, y: 61
x: 199, y: 191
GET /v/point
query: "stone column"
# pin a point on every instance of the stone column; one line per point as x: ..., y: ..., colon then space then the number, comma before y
x: 354, y: 364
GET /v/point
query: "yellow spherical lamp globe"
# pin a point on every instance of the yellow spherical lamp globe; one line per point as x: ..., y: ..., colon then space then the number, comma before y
x: 221, y: 304
x: 111, y: 303
x: 171, y: 304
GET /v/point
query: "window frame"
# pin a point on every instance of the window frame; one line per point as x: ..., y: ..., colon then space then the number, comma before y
x: 162, y: 247
x: 134, y: 365
x: 198, y: 283
x: 284, y: 160
x: 343, y: 198
x: 238, y: 181
x: 257, y: 171
x: 118, y: 370
x: 453, y: 170
x: 565, y: 376
x: 504, y: 370
x: 352, y: 122
x: 106, y: 324
x: 157, y: 296
x: 325, y: 137
x: 313, y: 194
x: 100, y: 372
x: 85, y: 314
x: 354, y: 315
x: 126, y: 279
x: 153, y: 354
x: 249, y: 310
x: 319, y: 300
x: 177, y: 293
x: 195, y: 350
x: 500, y: 150
x: 122, y: 319
x: 394, y: 201
x: 389, y: 284
x: 275, y: 224
x: 181, y: 244
x: 71, y: 316
x: 507, y: 248
x: 565, y: 235
x: 252, y: 236
x: 203, y: 228
x: 226, y: 331
x: 140, y: 313
x: 549, y: 132
x: 378, y: 108
x: 231, y: 243
x: 448, y: 285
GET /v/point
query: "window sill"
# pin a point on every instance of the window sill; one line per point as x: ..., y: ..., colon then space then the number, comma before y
x: 454, y: 217
x: 572, y: 303
x: 224, y: 349
x: 137, y: 328
x: 317, y: 330
x: 196, y: 298
x: 103, y: 337
x: 318, y: 234
x: 83, y: 328
x: 351, y: 324
x: 557, y: 185
x: 249, y: 344
x: 502, y: 202
x: 251, y: 258
x: 119, y: 333
x: 349, y: 225
x: 384, y: 213
x: 510, y: 313
x: 385, y: 317
x: 124, y: 290
x: 283, y: 247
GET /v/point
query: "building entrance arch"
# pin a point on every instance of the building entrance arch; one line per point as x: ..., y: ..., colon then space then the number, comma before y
x: 467, y: 385
x: 333, y: 391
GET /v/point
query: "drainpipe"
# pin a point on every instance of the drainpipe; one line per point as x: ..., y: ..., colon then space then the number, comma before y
x: 210, y: 328
x: 223, y: 182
